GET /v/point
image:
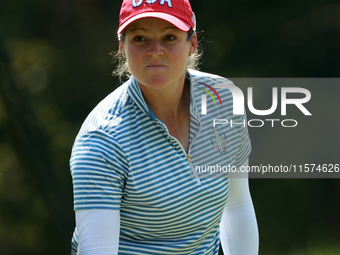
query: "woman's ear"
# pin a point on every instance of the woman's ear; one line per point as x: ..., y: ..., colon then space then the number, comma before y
x: 121, y: 47
x: 193, y: 42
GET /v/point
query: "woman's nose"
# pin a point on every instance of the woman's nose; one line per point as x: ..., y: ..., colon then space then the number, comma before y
x: 155, y: 49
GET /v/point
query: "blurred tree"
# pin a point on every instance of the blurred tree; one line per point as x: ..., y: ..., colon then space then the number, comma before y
x: 31, y: 145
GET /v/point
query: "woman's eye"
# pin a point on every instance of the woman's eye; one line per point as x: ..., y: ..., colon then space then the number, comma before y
x: 169, y: 38
x: 139, y: 38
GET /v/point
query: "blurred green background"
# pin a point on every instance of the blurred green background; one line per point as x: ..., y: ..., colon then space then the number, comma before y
x: 55, y: 67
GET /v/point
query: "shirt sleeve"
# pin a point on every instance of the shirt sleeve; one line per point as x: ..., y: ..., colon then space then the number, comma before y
x: 244, y: 144
x: 238, y: 227
x: 99, y: 170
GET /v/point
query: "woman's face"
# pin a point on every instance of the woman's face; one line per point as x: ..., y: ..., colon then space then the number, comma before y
x: 157, y: 52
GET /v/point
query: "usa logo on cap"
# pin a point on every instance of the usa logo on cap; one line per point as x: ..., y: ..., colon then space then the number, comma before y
x: 177, y: 12
x: 139, y: 2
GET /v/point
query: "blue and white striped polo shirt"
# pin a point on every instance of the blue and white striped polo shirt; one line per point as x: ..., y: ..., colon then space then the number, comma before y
x: 125, y: 159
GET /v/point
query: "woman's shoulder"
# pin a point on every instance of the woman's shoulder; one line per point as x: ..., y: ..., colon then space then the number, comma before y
x: 107, y: 113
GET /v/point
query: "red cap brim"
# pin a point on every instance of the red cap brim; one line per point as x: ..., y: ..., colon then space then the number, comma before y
x: 164, y: 16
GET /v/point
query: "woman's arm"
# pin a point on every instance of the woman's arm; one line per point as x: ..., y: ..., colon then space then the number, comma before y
x: 98, y: 231
x: 99, y: 168
x: 238, y: 228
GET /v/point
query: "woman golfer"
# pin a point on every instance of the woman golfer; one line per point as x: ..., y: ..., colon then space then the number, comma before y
x: 148, y: 163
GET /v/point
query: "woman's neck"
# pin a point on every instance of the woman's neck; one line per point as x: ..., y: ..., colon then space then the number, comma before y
x: 170, y: 103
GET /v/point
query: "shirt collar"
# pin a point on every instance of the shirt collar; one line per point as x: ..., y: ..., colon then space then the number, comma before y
x: 136, y: 95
